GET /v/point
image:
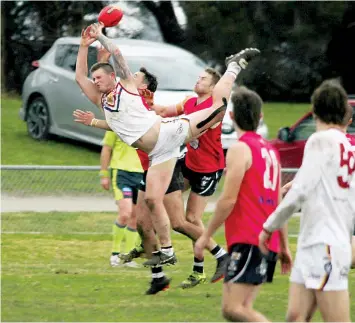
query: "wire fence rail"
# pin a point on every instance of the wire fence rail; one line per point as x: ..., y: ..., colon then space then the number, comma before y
x: 40, y: 180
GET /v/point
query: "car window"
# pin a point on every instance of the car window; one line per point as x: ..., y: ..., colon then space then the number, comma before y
x: 66, y: 56
x: 305, y: 129
x: 92, y: 57
x: 173, y: 73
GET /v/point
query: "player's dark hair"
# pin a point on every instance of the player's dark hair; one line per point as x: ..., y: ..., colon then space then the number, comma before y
x: 330, y: 103
x: 149, y: 79
x: 214, y: 73
x: 246, y: 108
x: 107, y: 67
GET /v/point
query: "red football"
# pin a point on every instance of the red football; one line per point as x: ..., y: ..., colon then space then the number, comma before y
x: 110, y: 16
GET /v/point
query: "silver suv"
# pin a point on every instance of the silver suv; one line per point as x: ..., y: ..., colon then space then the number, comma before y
x: 50, y: 93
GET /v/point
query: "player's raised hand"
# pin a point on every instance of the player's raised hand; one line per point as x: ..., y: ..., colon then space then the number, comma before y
x: 86, y: 39
x: 286, y: 261
x: 103, y: 55
x: 84, y: 117
x: 96, y: 30
x: 148, y: 96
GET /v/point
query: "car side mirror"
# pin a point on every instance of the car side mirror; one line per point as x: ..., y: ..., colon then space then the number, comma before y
x: 285, y: 134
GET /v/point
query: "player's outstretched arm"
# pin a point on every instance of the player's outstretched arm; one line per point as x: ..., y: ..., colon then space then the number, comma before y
x: 105, y: 159
x: 167, y: 111
x: 307, y: 178
x: 88, y: 118
x: 81, y: 69
x: 120, y: 63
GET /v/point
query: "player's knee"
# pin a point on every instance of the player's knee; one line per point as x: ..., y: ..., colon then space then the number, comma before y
x: 180, y: 229
x: 191, y: 217
x: 176, y: 223
x: 152, y: 202
x: 124, y: 217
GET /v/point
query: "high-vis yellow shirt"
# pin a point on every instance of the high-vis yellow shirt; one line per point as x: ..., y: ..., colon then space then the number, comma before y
x: 123, y: 156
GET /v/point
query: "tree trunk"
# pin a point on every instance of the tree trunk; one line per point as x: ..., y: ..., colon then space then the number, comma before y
x: 164, y: 13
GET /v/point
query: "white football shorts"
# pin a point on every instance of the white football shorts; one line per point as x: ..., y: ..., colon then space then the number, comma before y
x: 322, y: 267
x: 172, y: 134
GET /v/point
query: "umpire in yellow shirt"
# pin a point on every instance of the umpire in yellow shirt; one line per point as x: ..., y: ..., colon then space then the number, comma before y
x: 125, y: 174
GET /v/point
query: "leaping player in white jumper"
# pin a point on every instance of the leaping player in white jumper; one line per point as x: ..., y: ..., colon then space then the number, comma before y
x: 131, y: 118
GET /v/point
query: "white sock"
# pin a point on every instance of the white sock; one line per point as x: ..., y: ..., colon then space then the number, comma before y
x: 233, y: 69
x: 220, y: 253
x: 168, y: 251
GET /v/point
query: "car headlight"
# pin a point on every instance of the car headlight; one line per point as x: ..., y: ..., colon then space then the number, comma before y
x: 227, y: 128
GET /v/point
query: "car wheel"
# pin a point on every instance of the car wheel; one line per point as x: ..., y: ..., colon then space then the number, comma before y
x: 38, y: 119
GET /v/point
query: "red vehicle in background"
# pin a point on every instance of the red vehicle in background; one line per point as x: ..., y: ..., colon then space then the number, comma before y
x: 290, y: 141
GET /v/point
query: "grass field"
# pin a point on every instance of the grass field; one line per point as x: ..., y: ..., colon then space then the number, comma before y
x: 19, y: 149
x: 62, y: 274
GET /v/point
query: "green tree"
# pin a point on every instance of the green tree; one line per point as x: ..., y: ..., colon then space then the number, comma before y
x: 29, y: 28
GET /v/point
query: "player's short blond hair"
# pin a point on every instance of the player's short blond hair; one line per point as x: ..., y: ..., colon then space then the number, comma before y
x: 214, y: 73
x: 107, y: 67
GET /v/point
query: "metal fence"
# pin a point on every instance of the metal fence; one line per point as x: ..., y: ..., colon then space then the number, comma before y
x: 21, y: 180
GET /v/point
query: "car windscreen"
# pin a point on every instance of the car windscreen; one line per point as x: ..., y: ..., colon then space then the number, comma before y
x: 173, y: 73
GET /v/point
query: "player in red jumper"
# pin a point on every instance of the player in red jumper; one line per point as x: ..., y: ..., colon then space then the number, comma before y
x: 251, y: 192
x: 202, y: 168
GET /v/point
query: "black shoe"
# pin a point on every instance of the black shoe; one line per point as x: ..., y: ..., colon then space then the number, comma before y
x: 157, y: 285
x: 134, y: 253
x: 160, y: 258
x: 243, y: 58
x: 220, y: 269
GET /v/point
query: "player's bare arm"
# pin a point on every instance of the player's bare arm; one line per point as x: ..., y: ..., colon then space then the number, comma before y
x: 286, y: 188
x: 238, y: 161
x: 88, y: 119
x: 81, y: 70
x: 120, y: 64
x: 306, y: 179
x: 285, y: 256
x: 105, y: 158
x: 170, y: 110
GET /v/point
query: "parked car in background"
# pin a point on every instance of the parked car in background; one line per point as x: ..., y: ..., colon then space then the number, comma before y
x: 50, y: 93
x: 290, y: 141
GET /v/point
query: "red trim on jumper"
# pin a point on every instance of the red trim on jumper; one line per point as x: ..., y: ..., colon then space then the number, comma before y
x: 127, y: 90
x: 143, y: 100
x: 145, y: 104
